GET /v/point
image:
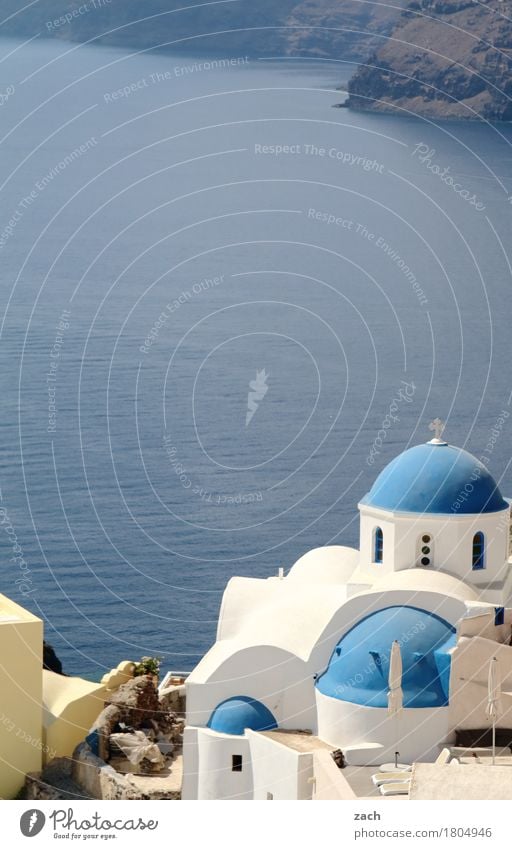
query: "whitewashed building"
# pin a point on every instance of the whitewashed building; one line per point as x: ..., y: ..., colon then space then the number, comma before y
x: 310, y: 651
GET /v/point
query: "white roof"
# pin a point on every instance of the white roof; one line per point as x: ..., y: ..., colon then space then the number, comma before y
x: 427, y: 579
x: 332, y: 564
x: 290, y: 615
x: 298, y: 613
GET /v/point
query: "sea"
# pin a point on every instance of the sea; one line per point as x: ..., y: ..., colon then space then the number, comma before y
x: 226, y: 304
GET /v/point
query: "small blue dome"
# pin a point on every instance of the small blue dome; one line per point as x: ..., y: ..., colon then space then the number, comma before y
x: 436, y: 479
x: 234, y: 715
x: 358, y: 671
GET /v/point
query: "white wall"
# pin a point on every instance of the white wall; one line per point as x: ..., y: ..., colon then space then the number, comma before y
x: 452, y: 538
x: 468, y: 682
x: 216, y: 779
x: 369, y: 520
x: 189, y: 787
x: 330, y: 783
x: 480, y: 623
x: 279, y: 770
x: 416, y: 732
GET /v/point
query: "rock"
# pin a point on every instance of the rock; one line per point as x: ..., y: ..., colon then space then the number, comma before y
x: 339, y: 758
x: 137, y: 700
x: 50, y: 659
x: 312, y: 28
x: 173, y: 698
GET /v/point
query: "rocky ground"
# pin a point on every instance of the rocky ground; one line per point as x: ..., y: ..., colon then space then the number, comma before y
x: 133, y: 751
x: 444, y: 59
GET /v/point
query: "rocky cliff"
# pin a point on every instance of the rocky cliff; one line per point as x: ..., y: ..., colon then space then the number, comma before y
x: 444, y: 59
x: 340, y: 29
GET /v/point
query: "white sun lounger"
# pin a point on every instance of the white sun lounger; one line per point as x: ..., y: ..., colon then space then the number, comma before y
x: 398, y: 788
x: 388, y: 777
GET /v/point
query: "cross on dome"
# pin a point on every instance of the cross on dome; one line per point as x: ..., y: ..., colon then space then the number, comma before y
x: 438, y: 427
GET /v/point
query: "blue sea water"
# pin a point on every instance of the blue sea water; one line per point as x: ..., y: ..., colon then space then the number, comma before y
x: 162, y: 245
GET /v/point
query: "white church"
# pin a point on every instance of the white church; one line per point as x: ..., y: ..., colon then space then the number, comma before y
x: 301, y: 662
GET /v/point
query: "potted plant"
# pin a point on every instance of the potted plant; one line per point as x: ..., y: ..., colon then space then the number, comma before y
x: 149, y: 666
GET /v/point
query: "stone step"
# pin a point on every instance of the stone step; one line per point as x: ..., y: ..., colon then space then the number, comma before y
x: 54, y: 782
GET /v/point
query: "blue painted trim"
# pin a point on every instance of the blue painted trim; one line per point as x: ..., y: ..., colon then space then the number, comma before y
x: 499, y: 615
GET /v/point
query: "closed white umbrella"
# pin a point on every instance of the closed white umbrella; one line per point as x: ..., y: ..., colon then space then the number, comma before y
x: 395, y: 694
x: 493, y: 709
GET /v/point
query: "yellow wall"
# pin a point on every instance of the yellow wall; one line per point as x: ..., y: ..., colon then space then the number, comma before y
x: 71, y: 706
x: 21, y: 648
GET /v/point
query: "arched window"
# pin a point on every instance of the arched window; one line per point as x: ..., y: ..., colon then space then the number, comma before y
x: 378, y: 545
x: 478, y: 558
x: 425, y: 550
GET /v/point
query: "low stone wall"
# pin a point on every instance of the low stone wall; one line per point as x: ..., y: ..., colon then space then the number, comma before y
x: 100, y: 781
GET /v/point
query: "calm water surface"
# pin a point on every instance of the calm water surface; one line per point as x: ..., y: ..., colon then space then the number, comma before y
x: 162, y: 245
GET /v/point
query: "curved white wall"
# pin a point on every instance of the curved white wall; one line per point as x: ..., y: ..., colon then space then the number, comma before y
x: 415, y: 732
x: 265, y: 673
x: 358, y: 607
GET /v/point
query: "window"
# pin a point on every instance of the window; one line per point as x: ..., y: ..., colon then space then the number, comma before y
x: 478, y: 551
x: 236, y: 763
x: 425, y: 550
x: 378, y: 545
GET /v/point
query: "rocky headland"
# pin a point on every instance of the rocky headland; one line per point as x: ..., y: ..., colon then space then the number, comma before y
x: 448, y: 59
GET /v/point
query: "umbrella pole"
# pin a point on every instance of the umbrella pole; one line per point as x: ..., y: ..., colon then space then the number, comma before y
x: 396, y: 739
x: 493, y: 742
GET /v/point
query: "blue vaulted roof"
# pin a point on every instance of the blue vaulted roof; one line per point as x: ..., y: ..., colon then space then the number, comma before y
x: 436, y: 479
x: 358, y: 670
x: 236, y: 714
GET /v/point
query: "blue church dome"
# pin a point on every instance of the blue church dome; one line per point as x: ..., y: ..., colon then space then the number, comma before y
x: 436, y: 478
x: 358, y: 671
x: 234, y: 715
